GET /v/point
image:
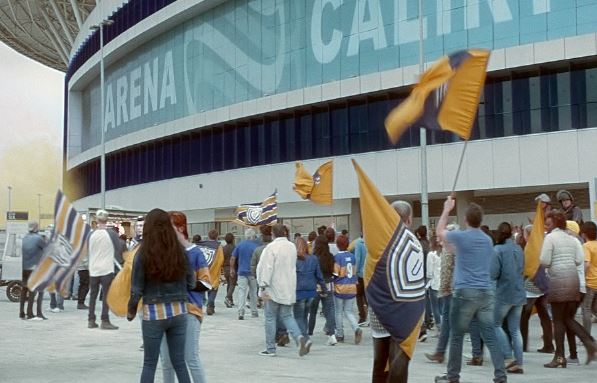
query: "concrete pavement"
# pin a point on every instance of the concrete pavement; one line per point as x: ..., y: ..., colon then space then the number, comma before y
x: 62, y: 349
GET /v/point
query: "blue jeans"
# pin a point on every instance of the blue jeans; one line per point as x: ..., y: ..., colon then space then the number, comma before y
x: 476, y: 341
x: 153, y: 331
x: 469, y: 304
x: 56, y: 300
x: 435, y: 307
x: 211, y: 298
x: 301, y: 310
x: 345, y: 308
x: 282, y: 312
x: 511, y: 314
x: 191, y: 353
x: 444, y: 334
x: 328, y: 311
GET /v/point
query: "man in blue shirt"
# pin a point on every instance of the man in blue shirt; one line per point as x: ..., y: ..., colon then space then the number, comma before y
x: 474, y: 295
x: 360, y: 253
x: 242, y: 255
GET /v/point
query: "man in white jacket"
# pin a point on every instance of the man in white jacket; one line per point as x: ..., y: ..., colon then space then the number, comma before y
x: 276, y: 276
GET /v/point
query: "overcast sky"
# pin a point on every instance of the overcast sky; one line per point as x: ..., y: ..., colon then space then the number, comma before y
x: 31, y: 106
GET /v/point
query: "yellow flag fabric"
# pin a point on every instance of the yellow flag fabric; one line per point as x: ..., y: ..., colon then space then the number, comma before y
x: 303, y: 181
x: 446, y: 97
x: 532, y: 250
x: 393, y: 275
x: 120, y: 289
x: 317, y: 188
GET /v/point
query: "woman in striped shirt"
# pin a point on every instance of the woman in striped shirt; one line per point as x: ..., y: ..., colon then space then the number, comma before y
x: 194, y: 306
x: 161, y: 276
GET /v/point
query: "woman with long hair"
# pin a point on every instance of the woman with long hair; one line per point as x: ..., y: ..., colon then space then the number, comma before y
x: 321, y: 249
x: 161, y: 276
x: 199, y: 266
x: 308, y: 276
x: 561, y: 254
x: 507, y: 269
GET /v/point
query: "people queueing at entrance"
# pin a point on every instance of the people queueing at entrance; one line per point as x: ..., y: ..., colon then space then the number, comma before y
x: 33, y: 246
x: 161, y: 277
x: 473, y: 286
x: 199, y: 266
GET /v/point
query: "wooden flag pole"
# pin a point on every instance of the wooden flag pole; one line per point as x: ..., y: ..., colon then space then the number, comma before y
x: 459, y: 167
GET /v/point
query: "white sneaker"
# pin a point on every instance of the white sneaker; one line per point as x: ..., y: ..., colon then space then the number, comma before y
x: 55, y: 310
x: 332, y: 340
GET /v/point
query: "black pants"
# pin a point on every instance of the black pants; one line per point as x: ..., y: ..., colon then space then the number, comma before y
x: 361, y: 300
x: 230, y: 285
x: 83, y: 286
x: 563, y: 320
x: 544, y: 318
x: 94, y: 284
x: 387, y: 351
x: 29, y: 296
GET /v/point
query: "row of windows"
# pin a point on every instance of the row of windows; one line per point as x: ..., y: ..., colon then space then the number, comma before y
x: 514, y: 105
x: 127, y: 15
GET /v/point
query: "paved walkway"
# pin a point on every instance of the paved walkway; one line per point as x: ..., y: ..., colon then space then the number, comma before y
x: 62, y: 349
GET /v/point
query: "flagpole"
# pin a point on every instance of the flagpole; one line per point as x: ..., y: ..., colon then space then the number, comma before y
x: 423, y: 133
x: 458, y: 169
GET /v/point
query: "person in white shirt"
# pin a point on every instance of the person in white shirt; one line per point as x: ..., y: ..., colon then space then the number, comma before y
x: 101, y: 268
x: 276, y: 277
x: 433, y: 276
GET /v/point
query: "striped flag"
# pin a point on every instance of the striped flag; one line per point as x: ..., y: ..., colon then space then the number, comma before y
x: 67, y: 247
x: 446, y: 97
x: 265, y: 213
x: 394, y: 277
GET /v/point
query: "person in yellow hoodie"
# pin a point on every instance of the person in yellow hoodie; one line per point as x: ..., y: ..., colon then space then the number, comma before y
x: 214, y: 254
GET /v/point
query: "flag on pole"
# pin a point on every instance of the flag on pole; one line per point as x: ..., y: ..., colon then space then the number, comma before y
x: 532, y: 250
x: 67, y: 247
x: 265, y: 213
x: 446, y: 97
x: 394, y: 277
x: 319, y: 187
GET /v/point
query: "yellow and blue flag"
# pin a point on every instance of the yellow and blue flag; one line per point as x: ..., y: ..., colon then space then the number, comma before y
x: 317, y: 188
x: 67, y: 247
x: 446, y: 97
x: 265, y: 213
x: 394, y: 276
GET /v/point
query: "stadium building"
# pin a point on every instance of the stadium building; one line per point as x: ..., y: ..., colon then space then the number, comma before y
x: 208, y: 103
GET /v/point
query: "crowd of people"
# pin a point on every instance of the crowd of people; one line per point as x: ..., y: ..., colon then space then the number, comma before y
x: 476, y: 285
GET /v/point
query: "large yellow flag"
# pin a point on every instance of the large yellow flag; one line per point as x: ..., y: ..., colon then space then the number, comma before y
x: 394, y: 277
x: 532, y: 250
x: 317, y: 188
x: 446, y: 97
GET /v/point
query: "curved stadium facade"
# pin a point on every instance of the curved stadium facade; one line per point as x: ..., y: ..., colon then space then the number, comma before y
x: 209, y: 103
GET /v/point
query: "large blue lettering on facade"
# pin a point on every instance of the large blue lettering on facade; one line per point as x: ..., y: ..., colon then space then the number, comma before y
x: 243, y: 50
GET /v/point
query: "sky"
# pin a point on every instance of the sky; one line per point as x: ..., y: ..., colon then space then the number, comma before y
x: 31, y: 106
